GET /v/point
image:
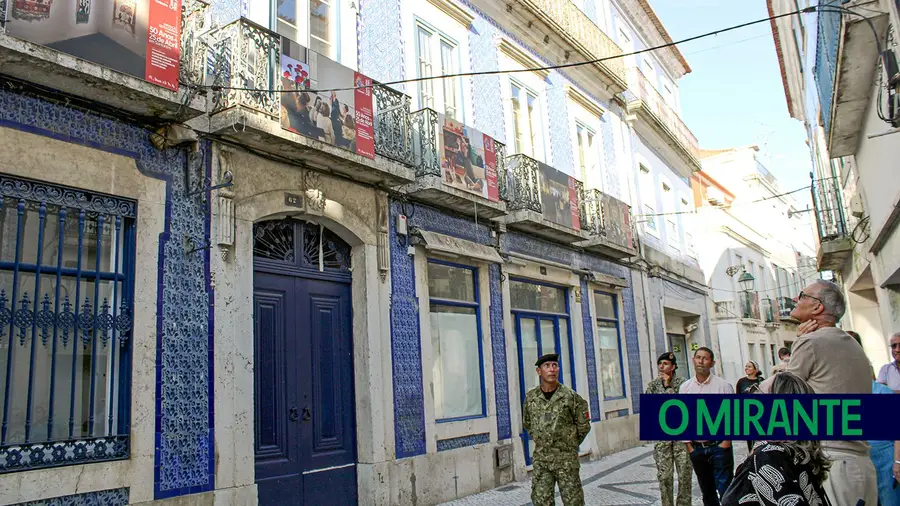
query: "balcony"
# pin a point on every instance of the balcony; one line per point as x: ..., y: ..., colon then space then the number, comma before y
x: 661, y: 126
x: 609, y: 222
x: 785, y: 306
x: 562, y: 33
x: 769, y: 311
x: 846, y: 62
x: 545, y: 202
x: 62, y: 55
x: 749, y: 304
x: 457, y: 166
x: 248, y: 71
x: 835, y: 246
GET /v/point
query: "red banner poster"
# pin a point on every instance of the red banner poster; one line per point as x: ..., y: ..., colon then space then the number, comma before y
x: 164, y: 43
x: 490, y: 168
x: 365, y: 124
x: 573, y: 204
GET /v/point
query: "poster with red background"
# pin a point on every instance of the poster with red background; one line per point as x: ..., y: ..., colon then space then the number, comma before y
x: 573, y: 203
x: 365, y: 124
x: 164, y: 43
x: 490, y: 168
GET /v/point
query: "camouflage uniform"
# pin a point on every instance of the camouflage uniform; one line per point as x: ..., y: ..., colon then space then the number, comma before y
x: 671, y: 456
x: 557, y: 427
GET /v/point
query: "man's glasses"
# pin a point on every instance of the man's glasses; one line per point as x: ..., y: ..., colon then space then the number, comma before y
x: 802, y: 294
x: 895, y: 345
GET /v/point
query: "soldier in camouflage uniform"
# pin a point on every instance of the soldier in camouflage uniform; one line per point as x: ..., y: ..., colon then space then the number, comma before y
x: 558, y: 420
x: 670, y: 455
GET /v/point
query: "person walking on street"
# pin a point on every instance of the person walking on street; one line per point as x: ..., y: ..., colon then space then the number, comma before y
x: 713, y: 461
x: 831, y: 362
x: 670, y: 456
x: 890, y: 373
x: 558, y: 420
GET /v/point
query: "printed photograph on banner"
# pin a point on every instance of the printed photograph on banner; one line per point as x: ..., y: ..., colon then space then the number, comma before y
x: 559, y: 198
x: 328, y: 116
x: 141, y: 38
x: 464, y: 159
x: 618, y: 225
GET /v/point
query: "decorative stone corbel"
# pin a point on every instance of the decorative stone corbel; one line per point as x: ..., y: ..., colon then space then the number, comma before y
x: 224, y: 206
x: 312, y: 186
x: 381, y: 202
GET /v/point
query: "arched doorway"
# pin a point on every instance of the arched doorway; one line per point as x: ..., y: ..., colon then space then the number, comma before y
x: 304, y: 402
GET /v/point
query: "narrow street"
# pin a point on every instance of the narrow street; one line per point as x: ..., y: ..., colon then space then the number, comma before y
x: 626, y: 478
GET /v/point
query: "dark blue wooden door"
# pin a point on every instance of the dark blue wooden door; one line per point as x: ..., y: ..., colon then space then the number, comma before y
x: 305, y: 417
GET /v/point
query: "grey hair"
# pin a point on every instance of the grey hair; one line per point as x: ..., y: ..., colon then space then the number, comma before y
x: 832, y: 298
x: 805, y: 453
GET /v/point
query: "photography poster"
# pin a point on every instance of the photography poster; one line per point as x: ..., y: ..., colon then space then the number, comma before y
x: 164, y: 43
x: 141, y: 38
x: 559, y: 197
x: 341, y: 118
x: 31, y: 10
x: 468, y: 159
x: 618, y: 225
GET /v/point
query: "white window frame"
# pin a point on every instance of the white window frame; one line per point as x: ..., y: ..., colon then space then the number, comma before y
x: 445, y: 28
x: 648, y: 198
x: 441, y: 430
x: 529, y: 141
x: 301, y: 30
x: 443, y: 95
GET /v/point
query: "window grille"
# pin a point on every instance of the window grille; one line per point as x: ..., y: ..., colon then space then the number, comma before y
x: 66, y: 314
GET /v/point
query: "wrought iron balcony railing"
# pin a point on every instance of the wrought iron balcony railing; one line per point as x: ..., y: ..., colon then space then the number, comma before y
x: 524, y: 184
x: 828, y: 35
x: 749, y: 305
x: 768, y: 310
x: 829, y: 209
x: 609, y: 218
x: 785, y: 306
x: 573, y: 22
x: 194, y: 24
x: 646, y: 93
x: 426, y: 127
x: 245, y: 63
x: 393, y: 125
x: 538, y: 187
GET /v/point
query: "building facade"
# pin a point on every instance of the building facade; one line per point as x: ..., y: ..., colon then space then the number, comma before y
x: 840, y: 76
x: 747, y: 225
x: 268, y: 279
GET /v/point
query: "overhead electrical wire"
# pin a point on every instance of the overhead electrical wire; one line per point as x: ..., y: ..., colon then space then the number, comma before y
x: 515, y: 71
x: 723, y: 208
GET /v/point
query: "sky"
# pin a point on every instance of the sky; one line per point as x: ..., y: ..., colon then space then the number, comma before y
x: 734, y: 95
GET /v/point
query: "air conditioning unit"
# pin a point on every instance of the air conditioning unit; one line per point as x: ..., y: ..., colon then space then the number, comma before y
x: 715, y: 196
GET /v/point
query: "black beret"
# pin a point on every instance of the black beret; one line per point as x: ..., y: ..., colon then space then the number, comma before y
x: 550, y: 357
x: 667, y: 356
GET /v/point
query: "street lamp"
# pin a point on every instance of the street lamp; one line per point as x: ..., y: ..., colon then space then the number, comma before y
x: 746, y: 281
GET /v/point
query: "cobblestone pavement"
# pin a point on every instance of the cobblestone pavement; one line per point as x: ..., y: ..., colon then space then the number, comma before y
x: 626, y: 478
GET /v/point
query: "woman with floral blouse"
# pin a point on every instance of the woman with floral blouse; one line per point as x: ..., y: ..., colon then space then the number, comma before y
x: 781, y: 472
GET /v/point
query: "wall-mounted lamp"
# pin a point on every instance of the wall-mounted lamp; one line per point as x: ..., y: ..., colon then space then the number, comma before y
x: 746, y: 280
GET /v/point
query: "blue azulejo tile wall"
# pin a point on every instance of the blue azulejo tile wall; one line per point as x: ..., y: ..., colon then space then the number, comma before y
x: 537, y: 248
x: 406, y: 347
x: 184, y: 451
x: 115, y: 497
x: 409, y: 415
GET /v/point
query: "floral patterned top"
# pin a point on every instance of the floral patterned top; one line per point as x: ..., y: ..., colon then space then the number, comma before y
x: 769, y: 477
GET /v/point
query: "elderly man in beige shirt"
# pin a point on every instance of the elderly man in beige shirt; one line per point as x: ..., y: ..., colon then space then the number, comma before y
x: 831, y: 362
